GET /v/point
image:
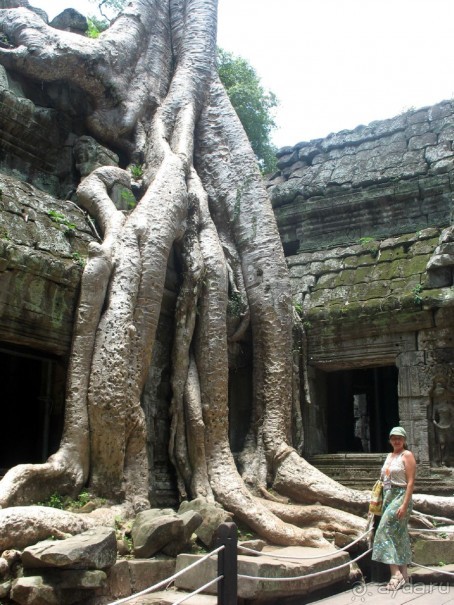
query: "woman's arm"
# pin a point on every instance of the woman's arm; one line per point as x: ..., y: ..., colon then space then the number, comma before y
x: 410, y: 472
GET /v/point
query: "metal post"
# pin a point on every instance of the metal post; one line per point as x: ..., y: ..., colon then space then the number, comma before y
x: 227, y: 564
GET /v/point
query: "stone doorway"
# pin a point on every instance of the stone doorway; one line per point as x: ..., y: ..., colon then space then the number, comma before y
x: 362, y: 406
x: 32, y: 405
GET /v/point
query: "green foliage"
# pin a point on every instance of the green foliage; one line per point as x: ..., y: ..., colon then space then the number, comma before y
x: 78, y: 258
x: 82, y: 499
x: 54, y: 501
x: 65, y: 502
x: 416, y: 291
x: 113, y: 6
x: 298, y: 308
x: 92, y: 29
x: 136, y: 170
x: 59, y: 218
x: 128, y: 196
x: 253, y: 104
x: 370, y: 245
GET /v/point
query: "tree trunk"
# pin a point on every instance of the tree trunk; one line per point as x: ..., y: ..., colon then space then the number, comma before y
x: 154, y: 93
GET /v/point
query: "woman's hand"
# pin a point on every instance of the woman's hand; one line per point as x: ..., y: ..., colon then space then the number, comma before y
x: 401, y: 512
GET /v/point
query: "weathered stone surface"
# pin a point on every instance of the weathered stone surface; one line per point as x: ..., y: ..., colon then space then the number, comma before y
x: 70, y: 20
x: 345, y: 169
x: 164, y: 531
x: 5, y: 588
x: 4, y: 567
x: 70, y: 579
x: 130, y: 576
x: 212, y: 514
x: 152, y: 530
x: 43, y: 244
x: 267, y: 567
x: 33, y: 591
x: 92, y: 549
x: 190, y: 521
x: 433, y: 552
x: 12, y: 557
x: 257, y: 545
x: 89, y: 155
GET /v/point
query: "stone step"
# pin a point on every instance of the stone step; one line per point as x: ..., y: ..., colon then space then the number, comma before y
x: 360, y: 471
x: 168, y: 597
x: 301, y: 563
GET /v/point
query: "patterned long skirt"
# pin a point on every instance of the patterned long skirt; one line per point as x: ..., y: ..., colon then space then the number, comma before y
x: 392, y: 542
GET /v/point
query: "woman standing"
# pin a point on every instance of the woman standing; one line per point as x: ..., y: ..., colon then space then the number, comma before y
x: 392, y: 542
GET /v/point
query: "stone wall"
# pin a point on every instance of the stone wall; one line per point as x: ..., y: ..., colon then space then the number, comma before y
x: 43, y: 244
x: 390, y: 177
x: 361, y: 214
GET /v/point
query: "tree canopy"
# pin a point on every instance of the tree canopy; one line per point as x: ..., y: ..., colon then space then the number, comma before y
x: 253, y: 104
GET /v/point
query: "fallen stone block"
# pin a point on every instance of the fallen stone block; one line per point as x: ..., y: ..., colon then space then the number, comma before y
x: 212, y: 514
x: 93, y: 549
x: 5, y: 588
x: 158, y: 530
x: 130, y: 576
x: 190, y: 521
x: 433, y: 552
x: 80, y: 579
x: 33, y: 591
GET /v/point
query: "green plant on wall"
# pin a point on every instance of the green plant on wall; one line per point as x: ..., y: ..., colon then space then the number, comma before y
x: 370, y: 245
x: 298, y: 308
x: 136, y: 170
x: 78, y: 258
x: 416, y: 291
x: 69, y: 228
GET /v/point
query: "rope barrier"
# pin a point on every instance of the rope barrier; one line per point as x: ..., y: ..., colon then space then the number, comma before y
x: 321, y: 556
x: 437, y: 531
x: 192, y: 594
x: 310, y: 575
x: 448, y: 573
x: 168, y: 580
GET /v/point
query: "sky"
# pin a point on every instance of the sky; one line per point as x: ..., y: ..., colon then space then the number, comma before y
x: 335, y: 64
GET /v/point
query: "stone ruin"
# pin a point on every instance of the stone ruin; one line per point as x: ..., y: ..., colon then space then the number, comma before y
x: 365, y: 218
x: 366, y: 221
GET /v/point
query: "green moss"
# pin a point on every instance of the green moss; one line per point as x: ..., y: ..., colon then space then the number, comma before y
x: 391, y: 254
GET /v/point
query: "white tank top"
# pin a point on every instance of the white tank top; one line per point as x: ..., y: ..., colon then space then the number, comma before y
x: 393, y: 472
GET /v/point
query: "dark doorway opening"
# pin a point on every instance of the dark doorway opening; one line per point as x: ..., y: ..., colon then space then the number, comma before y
x: 32, y: 407
x: 362, y: 408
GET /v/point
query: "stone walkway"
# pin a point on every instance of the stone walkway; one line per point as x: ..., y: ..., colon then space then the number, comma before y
x: 375, y: 594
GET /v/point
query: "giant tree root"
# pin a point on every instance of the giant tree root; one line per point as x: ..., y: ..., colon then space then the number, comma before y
x: 305, y: 484
x: 326, y: 518
x: 21, y: 526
